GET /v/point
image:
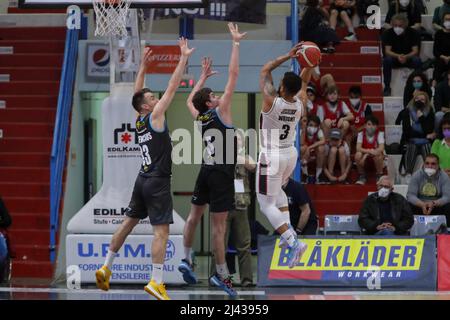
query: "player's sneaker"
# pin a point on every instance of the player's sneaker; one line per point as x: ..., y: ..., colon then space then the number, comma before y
x: 224, y: 284
x: 157, y: 290
x: 295, y: 253
x: 187, y: 269
x: 102, y: 276
x: 283, y: 243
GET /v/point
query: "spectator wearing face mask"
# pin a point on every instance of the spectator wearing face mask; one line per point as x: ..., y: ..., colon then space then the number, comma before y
x: 417, y: 81
x: 441, y: 50
x: 407, y: 7
x: 360, y: 110
x: 385, y: 212
x: 401, y: 49
x: 429, y: 189
x: 441, y: 146
x: 313, y: 147
x: 370, y: 145
x: 417, y: 122
x: 337, y: 150
x: 439, y: 13
x: 334, y: 113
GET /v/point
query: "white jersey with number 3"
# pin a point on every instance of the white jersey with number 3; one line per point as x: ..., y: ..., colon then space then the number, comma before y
x: 277, y: 126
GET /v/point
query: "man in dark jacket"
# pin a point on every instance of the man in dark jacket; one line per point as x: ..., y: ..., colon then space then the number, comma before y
x: 386, y: 212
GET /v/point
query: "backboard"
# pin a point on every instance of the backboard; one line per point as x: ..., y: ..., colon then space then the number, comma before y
x: 135, y: 3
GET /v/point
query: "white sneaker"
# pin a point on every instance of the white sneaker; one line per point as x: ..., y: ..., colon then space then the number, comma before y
x: 351, y: 37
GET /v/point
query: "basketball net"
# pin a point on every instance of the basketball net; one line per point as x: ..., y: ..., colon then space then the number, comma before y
x: 111, y: 17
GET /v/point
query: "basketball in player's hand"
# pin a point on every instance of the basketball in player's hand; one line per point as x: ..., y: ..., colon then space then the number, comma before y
x: 309, y: 54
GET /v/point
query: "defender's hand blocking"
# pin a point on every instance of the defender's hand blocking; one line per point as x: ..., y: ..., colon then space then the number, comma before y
x: 185, y: 50
x: 234, y: 30
x: 206, y: 68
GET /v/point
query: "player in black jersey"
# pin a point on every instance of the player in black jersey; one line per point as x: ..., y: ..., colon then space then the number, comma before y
x: 215, y: 182
x: 151, y: 194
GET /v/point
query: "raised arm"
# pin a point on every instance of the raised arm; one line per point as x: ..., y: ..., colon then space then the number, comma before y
x: 174, y: 82
x: 305, y: 75
x: 265, y: 77
x: 206, y: 73
x: 140, y: 78
x: 233, y: 72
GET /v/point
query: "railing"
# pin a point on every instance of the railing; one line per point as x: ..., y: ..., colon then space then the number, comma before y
x: 60, y: 133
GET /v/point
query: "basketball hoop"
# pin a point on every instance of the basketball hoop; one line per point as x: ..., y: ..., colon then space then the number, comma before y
x: 111, y: 17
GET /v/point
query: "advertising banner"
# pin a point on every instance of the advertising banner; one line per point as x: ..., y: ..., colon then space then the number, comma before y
x: 132, y: 265
x: 357, y: 261
x: 98, y: 59
x: 164, y: 59
x: 443, y: 246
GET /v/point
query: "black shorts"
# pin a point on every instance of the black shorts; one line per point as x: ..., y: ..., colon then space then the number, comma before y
x: 349, y: 11
x: 151, y: 198
x: 216, y: 188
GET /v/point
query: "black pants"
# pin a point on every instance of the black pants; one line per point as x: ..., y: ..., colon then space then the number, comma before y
x: 412, y: 152
x: 390, y: 63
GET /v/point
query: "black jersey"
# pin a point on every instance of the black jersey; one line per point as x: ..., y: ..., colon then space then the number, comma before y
x: 220, y: 142
x: 156, y: 148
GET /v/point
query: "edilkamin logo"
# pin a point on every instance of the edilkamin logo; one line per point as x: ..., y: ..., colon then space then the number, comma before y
x: 124, y: 133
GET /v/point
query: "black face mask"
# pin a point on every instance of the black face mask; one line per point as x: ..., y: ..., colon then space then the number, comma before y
x: 419, y: 105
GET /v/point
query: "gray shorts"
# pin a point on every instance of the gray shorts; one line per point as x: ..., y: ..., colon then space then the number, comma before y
x: 151, y: 198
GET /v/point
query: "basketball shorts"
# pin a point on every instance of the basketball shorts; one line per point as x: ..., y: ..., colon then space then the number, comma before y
x: 151, y: 198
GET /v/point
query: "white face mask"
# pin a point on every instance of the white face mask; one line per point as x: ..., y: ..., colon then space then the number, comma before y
x: 355, y: 101
x: 447, y: 24
x: 384, y: 192
x: 404, y: 3
x: 430, y: 171
x: 398, y: 30
x: 312, y: 130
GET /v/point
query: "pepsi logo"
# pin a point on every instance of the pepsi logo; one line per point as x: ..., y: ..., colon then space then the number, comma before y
x: 101, y: 57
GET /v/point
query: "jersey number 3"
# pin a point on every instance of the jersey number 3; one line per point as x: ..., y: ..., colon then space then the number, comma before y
x: 146, y: 159
x: 286, y: 129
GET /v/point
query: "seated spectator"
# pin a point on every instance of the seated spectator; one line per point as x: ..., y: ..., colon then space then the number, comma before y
x: 417, y: 81
x: 314, y: 27
x: 401, y: 49
x: 385, y: 212
x: 441, y: 146
x: 407, y: 7
x: 429, y: 189
x: 361, y: 8
x: 442, y: 99
x: 312, y: 146
x: 370, y: 145
x: 441, y: 50
x: 334, y: 113
x: 417, y: 122
x: 302, y: 213
x: 360, y: 110
x: 311, y: 104
x: 343, y: 9
x: 321, y: 83
x: 438, y: 16
x: 337, y: 150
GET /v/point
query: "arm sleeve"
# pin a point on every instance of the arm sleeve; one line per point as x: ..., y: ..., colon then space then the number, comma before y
x: 445, y: 189
x: 413, y: 190
x: 427, y: 123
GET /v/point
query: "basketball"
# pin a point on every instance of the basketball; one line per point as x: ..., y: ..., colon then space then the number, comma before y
x: 309, y: 54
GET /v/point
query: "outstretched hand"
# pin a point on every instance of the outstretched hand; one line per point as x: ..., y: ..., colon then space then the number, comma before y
x: 293, y: 52
x: 185, y: 50
x: 234, y: 30
x: 206, y: 68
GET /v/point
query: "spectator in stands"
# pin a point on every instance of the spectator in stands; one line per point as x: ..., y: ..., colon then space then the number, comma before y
x: 312, y: 104
x: 442, y: 99
x: 321, y: 83
x: 417, y: 122
x: 401, y: 47
x: 408, y: 7
x: 439, y: 12
x: 360, y: 110
x: 313, y: 146
x: 370, y: 145
x: 302, y: 213
x: 314, y: 27
x: 334, y: 113
x: 429, y: 189
x: 417, y: 81
x: 337, y: 150
x: 385, y: 212
x: 361, y: 8
x: 345, y: 10
x: 441, y: 50
x: 5, y: 223
x: 441, y: 146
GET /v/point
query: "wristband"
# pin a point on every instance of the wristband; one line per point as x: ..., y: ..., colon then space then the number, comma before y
x: 236, y: 43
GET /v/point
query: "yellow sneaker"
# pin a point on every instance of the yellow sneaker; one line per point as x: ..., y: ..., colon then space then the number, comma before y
x: 102, y: 276
x: 157, y: 290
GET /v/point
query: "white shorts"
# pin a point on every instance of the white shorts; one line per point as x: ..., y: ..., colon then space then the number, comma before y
x: 347, y: 150
x: 274, y: 169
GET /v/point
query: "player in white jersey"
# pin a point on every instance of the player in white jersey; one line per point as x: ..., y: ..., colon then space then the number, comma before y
x: 278, y: 156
